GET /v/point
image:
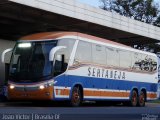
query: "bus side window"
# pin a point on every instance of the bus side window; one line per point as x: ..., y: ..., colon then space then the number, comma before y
x: 153, y: 63
x: 62, y: 57
x: 99, y: 55
x: 136, y: 61
x: 16, y: 64
x: 69, y: 43
x: 83, y: 53
x: 149, y: 63
x: 144, y: 62
x: 112, y: 57
x: 60, y: 65
x: 125, y: 59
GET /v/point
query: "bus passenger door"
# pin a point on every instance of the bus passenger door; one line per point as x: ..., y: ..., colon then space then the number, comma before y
x: 63, y: 61
x: 61, y: 78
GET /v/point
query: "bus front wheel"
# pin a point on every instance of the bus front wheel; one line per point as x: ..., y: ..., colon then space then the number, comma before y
x: 76, y: 97
x: 134, y: 98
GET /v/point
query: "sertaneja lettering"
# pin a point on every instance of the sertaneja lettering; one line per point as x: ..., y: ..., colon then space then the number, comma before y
x: 106, y: 73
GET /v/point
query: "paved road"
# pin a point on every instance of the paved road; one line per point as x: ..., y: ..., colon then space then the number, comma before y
x: 89, y: 111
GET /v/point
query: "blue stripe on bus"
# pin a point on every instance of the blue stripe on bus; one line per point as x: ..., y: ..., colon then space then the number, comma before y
x: 101, y: 83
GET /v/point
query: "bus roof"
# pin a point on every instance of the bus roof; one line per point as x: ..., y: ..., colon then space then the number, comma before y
x: 56, y: 35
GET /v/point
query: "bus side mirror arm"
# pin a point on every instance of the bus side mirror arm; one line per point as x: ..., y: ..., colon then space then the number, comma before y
x: 4, y: 53
x: 54, y: 50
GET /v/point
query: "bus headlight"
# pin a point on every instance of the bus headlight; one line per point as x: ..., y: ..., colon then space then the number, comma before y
x: 41, y: 87
x: 11, y: 87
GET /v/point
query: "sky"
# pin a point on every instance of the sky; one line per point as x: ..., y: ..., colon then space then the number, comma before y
x: 94, y: 3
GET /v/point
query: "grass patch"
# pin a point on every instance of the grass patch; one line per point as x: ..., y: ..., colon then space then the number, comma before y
x: 155, y: 101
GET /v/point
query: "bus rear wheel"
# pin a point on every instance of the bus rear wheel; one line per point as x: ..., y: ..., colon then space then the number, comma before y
x: 141, y: 100
x: 134, y: 98
x: 76, y: 97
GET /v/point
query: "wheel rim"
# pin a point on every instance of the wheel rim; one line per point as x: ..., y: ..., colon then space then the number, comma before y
x: 134, y: 99
x: 76, y: 97
x: 141, y: 99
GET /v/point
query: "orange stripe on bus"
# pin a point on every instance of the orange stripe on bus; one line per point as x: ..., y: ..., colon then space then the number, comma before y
x: 105, y: 93
x: 151, y: 95
x: 62, y: 91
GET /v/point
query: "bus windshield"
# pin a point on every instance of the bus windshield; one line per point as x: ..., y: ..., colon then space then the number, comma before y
x: 30, y: 61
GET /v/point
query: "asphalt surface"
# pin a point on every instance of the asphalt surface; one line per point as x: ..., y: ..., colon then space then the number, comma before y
x: 89, y: 111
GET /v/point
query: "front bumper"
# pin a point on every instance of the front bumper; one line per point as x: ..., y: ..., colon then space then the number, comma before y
x: 26, y: 93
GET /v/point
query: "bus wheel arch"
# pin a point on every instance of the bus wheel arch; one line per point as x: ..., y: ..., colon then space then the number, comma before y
x: 76, y: 96
x: 134, y: 97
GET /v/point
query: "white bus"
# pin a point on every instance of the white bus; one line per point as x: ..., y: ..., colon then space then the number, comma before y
x: 78, y: 67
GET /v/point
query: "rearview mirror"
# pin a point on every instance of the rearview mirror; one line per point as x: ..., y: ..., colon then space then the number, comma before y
x: 54, y: 50
x: 4, y: 53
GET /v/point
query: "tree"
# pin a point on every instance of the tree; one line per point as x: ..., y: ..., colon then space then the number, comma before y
x: 152, y: 47
x: 157, y: 22
x: 145, y: 11
x: 142, y: 10
x: 119, y: 6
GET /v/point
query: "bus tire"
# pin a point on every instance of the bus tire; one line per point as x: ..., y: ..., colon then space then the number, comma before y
x: 141, y: 99
x: 134, y: 98
x: 76, y: 97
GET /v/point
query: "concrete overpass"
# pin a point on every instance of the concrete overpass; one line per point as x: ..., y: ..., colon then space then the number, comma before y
x: 22, y: 17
